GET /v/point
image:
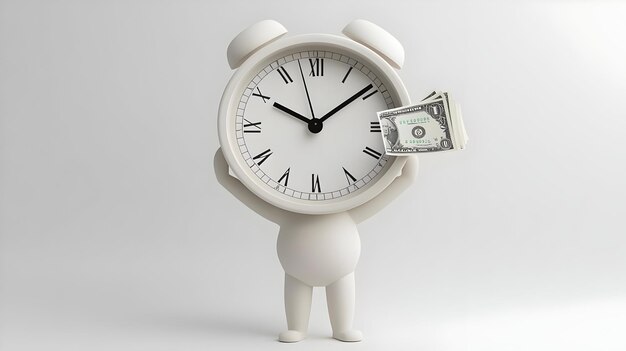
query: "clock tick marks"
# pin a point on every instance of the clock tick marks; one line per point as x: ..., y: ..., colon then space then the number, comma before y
x: 274, y: 174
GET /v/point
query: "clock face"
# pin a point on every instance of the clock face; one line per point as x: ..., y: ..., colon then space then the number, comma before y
x: 306, y: 125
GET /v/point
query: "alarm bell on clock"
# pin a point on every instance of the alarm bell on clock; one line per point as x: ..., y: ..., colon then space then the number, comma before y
x: 301, y: 146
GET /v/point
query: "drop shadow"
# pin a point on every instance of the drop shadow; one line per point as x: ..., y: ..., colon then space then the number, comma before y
x: 209, y: 325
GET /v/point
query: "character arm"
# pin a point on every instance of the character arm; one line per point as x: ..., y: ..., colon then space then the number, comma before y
x: 399, y: 185
x: 235, y: 187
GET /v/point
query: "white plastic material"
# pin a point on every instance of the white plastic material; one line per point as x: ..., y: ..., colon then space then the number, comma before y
x: 251, y: 39
x: 229, y: 105
x: 377, y: 39
x: 314, y: 249
x: 317, y: 250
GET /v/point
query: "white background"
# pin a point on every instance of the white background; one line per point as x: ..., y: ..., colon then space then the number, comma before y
x: 114, y: 234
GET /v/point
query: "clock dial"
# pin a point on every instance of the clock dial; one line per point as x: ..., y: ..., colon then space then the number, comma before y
x: 306, y: 125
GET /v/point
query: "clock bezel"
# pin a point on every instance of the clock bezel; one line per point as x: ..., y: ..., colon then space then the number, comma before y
x: 246, y: 72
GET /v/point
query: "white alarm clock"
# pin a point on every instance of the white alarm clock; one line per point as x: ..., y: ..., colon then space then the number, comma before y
x: 297, y: 121
x: 301, y: 146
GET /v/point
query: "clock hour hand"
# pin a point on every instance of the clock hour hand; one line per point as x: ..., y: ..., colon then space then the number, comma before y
x: 345, y: 103
x: 291, y: 112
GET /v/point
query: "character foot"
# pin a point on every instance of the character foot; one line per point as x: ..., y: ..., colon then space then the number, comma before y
x: 349, y: 335
x: 291, y: 336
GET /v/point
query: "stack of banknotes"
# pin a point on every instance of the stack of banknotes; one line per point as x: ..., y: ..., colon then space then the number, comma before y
x: 433, y: 124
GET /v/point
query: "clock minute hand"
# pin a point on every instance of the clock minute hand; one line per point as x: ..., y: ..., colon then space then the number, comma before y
x: 345, y: 103
x: 291, y: 112
x: 306, y: 90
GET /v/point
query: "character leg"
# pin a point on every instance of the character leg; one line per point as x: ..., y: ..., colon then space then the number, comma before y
x: 340, y: 300
x: 297, y: 307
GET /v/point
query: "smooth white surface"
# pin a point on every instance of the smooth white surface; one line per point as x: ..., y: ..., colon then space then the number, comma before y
x: 251, y: 39
x: 114, y: 234
x: 377, y: 39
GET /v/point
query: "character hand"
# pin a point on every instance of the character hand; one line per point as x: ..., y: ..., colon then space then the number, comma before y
x: 410, y: 167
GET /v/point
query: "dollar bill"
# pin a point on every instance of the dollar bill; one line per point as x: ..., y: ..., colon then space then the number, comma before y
x: 432, y: 125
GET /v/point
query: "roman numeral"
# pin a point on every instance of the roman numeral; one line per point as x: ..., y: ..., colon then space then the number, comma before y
x: 317, y: 67
x: 349, y: 177
x: 375, y: 127
x: 375, y: 154
x: 315, y: 183
x: 251, y: 127
x: 263, y: 156
x: 264, y: 97
x: 284, y: 75
x: 347, y: 73
x: 285, y: 176
x: 370, y: 94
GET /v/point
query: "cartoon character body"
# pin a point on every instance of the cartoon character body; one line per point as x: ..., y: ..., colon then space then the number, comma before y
x: 317, y: 250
